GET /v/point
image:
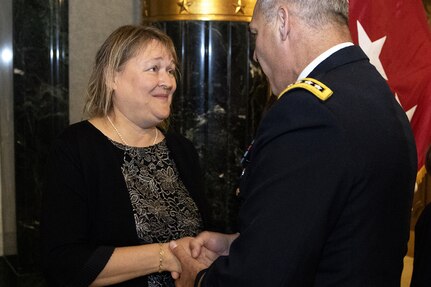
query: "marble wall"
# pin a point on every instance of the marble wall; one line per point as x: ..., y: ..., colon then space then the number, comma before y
x: 218, y: 104
x: 40, y: 111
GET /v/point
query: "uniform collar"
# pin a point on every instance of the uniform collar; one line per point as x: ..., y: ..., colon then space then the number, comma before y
x: 310, y: 67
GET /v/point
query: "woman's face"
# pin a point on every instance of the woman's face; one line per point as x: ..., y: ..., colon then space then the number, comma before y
x: 143, y: 89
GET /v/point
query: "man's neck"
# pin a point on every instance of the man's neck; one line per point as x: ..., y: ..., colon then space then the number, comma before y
x: 320, y: 40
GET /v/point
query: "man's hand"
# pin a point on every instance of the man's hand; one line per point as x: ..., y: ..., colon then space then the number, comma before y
x: 210, y: 245
x: 189, y: 265
x: 200, y: 253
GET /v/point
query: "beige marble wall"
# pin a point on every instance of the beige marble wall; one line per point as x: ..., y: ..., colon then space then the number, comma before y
x: 90, y: 22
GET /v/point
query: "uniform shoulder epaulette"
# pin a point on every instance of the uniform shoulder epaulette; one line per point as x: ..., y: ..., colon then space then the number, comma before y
x: 315, y: 87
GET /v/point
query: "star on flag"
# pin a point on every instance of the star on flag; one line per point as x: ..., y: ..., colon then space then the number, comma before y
x: 373, y: 50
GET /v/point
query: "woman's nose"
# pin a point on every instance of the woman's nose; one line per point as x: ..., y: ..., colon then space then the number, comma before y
x: 166, y: 79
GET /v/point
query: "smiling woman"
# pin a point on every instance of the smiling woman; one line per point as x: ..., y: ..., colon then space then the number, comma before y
x: 130, y: 184
x: 144, y: 87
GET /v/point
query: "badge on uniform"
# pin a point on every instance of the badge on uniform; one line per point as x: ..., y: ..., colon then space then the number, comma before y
x: 317, y: 88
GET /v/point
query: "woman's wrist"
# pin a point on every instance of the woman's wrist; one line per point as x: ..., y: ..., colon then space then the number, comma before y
x: 161, y: 257
x: 166, y: 259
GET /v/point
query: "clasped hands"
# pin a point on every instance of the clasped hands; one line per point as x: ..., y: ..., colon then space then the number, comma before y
x: 198, y: 253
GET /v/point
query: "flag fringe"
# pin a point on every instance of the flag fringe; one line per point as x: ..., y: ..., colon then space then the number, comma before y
x: 420, y: 175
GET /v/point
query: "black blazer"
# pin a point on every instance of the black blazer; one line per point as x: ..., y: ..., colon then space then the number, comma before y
x: 327, y: 192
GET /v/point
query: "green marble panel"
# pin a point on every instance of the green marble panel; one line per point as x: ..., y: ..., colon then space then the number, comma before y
x: 40, y: 107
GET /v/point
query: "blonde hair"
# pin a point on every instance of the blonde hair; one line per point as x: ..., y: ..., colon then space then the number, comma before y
x: 122, y: 45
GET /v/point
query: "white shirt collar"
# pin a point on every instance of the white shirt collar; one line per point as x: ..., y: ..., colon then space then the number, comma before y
x: 310, y: 67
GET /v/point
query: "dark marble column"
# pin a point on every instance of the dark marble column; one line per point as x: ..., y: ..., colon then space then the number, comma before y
x: 40, y: 107
x: 218, y: 103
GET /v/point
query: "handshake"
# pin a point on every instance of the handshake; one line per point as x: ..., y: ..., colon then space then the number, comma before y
x: 191, y: 255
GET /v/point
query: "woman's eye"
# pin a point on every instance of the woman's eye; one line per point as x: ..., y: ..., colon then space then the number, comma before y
x: 153, y: 69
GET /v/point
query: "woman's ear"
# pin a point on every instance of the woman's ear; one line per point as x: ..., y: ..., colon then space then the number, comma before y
x: 111, y: 80
x: 283, y: 22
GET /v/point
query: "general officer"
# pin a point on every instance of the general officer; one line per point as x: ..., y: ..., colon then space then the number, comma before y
x: 327, y: 191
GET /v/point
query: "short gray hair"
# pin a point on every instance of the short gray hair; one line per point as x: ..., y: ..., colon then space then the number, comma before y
x: 313, y: 12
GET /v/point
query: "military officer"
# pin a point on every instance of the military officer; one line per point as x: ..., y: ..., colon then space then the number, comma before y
x: 326, y: 193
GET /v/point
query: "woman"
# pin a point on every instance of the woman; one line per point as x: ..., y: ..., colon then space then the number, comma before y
x: 119, y: 185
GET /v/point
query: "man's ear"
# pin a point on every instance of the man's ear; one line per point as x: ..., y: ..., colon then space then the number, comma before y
x: 283, y: 22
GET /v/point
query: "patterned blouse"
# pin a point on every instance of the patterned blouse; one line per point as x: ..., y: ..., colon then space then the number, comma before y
x: 162, y: 206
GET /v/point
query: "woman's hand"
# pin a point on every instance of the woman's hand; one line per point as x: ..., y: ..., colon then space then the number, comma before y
x: 169, y: 260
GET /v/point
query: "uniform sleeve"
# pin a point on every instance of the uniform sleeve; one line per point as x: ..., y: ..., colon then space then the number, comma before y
x: 290, y: 195
x: 69, y: 257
